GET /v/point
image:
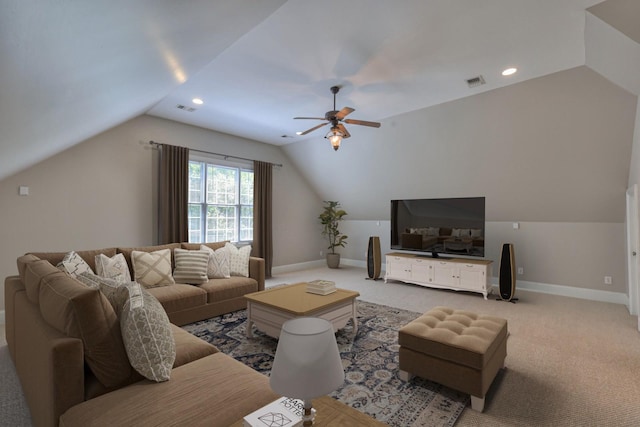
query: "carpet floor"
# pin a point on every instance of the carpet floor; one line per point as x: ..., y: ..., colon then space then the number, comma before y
x: 370, y: 360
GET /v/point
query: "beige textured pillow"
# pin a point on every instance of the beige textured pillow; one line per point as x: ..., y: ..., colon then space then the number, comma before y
x: 152, y: 269
x: 191, y: 266
x: 239, y: 259
x: 147, y: 334
x: 218, y: 267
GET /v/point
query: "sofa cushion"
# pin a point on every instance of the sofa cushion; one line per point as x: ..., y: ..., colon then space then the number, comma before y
x: 224, y: 289
x: 114, y: 267
x: 84, y: 313
x: 74, y: 265
x: 147, y: 334
x: 152, y: 269
x: 238, y: 259
x: 23, y: 261
x: 191, y: 266
x: 189, y: 347
x: 33, y: 273
x: 215, y: 391
x: 218, y: 267
x: 179, y: 297
x: 89, y: 256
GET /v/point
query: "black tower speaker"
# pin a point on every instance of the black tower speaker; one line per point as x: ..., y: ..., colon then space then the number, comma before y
x: 507, y: 273
x: 373, y: 258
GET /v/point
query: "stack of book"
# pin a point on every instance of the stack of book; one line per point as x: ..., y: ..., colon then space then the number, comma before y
x: 321, y: 287
x: 282, y: 412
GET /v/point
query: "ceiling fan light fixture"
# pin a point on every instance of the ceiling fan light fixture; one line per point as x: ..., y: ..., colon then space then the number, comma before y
x: 335, y: 137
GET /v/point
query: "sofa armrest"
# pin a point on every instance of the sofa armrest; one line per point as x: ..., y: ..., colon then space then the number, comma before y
x: 50, y: 365
x: 256, y: 271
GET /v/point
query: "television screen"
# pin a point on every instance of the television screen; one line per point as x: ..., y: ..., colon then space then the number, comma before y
x: 439, y: 226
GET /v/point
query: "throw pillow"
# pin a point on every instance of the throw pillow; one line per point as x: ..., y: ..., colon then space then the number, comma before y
x: 152, y: 269
x: 218, y: 267
x: 238, y: 259
x: 73, y: 264
x: 191, y: 266
x: 109, y: 287
x: 113, y: 268
x: 146, y: 333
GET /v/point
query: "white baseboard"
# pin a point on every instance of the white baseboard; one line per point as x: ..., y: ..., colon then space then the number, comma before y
x: 297, y: 267
x: 1, y: 317
x: 545, y: 288
x: 568, y: 291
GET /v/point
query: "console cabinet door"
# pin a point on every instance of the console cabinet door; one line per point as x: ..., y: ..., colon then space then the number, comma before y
x: 422, y: 271
x: 445, y: 273
x: 398, y: 268
x: 472, y: 276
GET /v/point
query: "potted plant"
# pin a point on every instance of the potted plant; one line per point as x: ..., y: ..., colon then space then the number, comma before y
x: 330, y: 218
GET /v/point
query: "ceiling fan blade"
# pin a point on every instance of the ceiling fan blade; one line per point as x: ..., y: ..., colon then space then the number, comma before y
x: 344, y: 130
x: 313, y: 128
x: 310, y: 118
x: 344, y: 113
x: 362, y: 123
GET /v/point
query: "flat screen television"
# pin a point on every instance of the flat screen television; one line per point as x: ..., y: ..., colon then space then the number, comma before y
x: 454, y: 226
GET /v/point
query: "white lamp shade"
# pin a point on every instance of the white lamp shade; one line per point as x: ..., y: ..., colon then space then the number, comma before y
x: 307, y: 363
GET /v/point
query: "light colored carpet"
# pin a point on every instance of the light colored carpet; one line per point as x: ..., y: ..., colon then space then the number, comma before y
x: 570, y: 362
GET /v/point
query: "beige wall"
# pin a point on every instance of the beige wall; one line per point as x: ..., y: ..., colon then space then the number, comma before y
x: 551, y: 153
x: 101, y: 193
x: 576, y: 255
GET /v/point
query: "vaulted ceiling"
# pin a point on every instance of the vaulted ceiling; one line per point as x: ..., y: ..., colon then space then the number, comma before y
x: 70, y: 70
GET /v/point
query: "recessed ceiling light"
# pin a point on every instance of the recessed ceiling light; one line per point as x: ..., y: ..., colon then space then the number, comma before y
x: 298, y: 133
x: 197, y: 101
x: 509, y: 71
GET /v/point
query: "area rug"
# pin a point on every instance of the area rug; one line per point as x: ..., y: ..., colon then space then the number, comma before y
x: 370, y: 359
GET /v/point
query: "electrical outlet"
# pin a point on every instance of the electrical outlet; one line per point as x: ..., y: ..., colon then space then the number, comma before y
x: 607, y: 280
x: 520, y: 270
x: 321, y: 253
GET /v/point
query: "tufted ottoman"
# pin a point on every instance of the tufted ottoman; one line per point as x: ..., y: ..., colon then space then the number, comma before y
x: 456, y: 348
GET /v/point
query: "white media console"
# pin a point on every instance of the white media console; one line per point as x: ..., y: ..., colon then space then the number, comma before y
x: 447, y: 273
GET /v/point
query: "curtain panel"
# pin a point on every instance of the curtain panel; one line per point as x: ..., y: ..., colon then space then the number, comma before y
x: 262, y: 195
x: 173, y: 194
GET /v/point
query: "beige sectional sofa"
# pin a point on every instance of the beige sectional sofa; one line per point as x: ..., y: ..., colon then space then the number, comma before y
x: 65, y: 341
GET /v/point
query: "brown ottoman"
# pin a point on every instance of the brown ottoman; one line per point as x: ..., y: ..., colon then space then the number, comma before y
x: 456, y: 348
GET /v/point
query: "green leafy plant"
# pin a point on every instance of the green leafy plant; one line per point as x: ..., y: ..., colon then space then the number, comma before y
x: 330, y: 218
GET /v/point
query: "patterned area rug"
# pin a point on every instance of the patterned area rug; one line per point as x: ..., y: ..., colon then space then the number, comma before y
x: 370, y: 360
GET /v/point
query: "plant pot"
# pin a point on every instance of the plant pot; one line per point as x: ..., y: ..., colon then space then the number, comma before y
x: 333, y: 260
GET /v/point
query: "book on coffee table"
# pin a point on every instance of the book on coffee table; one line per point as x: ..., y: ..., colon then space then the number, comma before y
x: 321, y: 287
x: 285, y: 412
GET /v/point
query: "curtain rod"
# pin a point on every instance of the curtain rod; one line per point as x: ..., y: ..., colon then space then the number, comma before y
x: 226, y: 156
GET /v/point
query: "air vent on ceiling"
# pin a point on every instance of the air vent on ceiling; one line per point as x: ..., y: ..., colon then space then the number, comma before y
x: 475, y: 81
x: 185, y: 108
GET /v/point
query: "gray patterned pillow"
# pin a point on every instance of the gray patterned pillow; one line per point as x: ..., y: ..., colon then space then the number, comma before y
x: 191, y: 266
x: 109, y: 287
x: 238, y: 259
x: 147, y: 334
x: 74, y: 265
x: 113, y: 268
x: 152, y: 269
x: 218, y: 267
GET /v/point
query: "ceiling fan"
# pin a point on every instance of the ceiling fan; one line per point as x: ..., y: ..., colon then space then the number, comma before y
x: 338, y: 130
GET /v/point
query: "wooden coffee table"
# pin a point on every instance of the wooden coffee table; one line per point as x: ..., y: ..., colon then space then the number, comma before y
x: 270, y: 308
x: 332, y: 413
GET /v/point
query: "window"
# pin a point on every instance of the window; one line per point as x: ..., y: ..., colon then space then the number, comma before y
x: 220, y: 203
